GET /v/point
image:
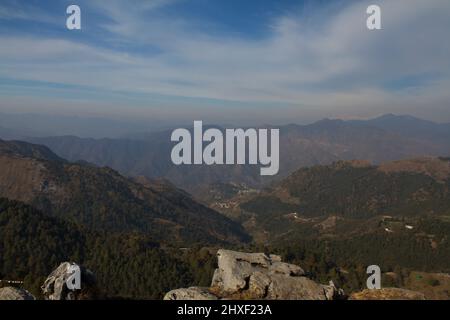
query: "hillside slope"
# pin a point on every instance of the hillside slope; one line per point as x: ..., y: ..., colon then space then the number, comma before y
x: 102, y: 199
x: 347, y: 199
x: 129, y: 265
x: 356, y: 189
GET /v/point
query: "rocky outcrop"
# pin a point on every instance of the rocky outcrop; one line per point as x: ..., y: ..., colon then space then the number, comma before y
x: 12, y: 293
x: 193, y: 293
x: 257, y: 276
x: 387, y: 294
x: 55, y: 286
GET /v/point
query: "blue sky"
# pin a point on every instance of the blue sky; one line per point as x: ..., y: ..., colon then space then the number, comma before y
x: 262, y: 61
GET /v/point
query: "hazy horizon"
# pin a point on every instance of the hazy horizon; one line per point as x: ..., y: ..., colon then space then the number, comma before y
x: 45, y: 125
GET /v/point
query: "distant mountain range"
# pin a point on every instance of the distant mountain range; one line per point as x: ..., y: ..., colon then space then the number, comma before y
x: 386, y: 138
x: 20, y: 125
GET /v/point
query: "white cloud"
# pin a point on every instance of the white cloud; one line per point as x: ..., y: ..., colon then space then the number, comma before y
x: 332, y: 63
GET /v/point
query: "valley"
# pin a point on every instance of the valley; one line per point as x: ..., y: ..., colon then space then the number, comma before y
x: 331, y: 215
x: 378, y: 140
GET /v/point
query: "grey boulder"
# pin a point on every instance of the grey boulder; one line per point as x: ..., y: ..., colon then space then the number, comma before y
x: 193, y: 293
x: 55, y: 286
x: 12, y: 293
x: 243, y: 275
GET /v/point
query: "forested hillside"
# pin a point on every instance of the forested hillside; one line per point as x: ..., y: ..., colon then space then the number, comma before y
x: 360, y: 190
x: 102, y: 199
x: 127, y: 265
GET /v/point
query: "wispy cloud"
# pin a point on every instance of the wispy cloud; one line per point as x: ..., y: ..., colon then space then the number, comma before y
x: 13, y: 10
x: 323, y: 60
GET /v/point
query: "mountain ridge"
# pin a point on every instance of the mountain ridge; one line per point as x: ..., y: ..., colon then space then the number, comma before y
x: 100, y: 198
x: 320, y: 143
